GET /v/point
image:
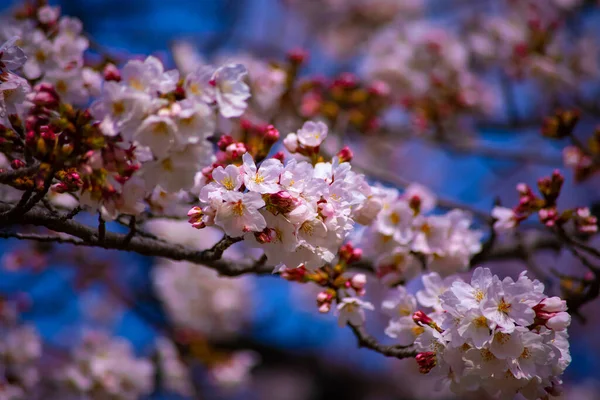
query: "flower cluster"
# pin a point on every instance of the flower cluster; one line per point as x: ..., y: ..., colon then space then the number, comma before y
x: 20, y: 352
x: 163, y: 123
x: 54, y: 46
x: 545, y: 206
x: 528, y: 41
x: 427, y: 68
x: 346, y: 96
x: 299, y: 214
x: 402, y: 238
x: 502, y: 336
x: 351, y: 22
x: 196, y: 299
x: 105, y: 367
x: 13, y: 88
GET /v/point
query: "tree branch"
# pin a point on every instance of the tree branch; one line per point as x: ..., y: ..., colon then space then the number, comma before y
x: 38, y: 216
x: 366, y: 340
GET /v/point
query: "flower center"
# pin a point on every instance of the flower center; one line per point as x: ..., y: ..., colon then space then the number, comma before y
x: 503, y: 307
x: 394, y: 218
x: 238, y: 208
x: 479, y: 295
x: 259, y: 178
x: 227, y: 182
x: 480, y: 322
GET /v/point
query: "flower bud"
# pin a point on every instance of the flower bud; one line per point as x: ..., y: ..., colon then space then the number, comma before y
x: 426, y: 360
x: 291, y: 142
x: 17, y: 164
x: 282, y: 201
x: 224, y: 142
x: 297, y: 56
x: 349, y: 254
x: 553, y: 304
x: 421, y: 318
x: 111, y: 73
x: 358, y: 281
x: 196, y: 214
x: 279, y: 156
x: 271, y: 134
x: 559, y: 322
x: 345, y: 154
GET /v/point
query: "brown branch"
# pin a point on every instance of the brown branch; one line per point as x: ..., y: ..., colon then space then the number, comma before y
x: 89, y: 236
x: 366, y: 340
x: 9, y: 176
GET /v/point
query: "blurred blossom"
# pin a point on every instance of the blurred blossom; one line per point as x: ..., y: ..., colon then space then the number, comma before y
x: 105, y: 367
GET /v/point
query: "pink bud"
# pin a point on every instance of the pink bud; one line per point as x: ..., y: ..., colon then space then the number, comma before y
x: 559, y: 322
x: 345, y: 154
x: 224, y: 142
x: 282, y: 201
x: 323, y: 297
x: 358, y: 281
x: 297, y: 56
x: 271, y: 134
x: 421, y: 318
x: 553, y: 304
x: 426, y: 360
x: 324, y: 308
x: 16, y: 164
x: 111, y: 73
x: 279, y: 156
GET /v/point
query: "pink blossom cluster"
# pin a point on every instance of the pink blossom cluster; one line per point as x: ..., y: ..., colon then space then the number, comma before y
x: 401, y: 237
x: 427, y: 68
x: 105, y: 367
x: 20, y: 353
x: 504, y: 337
x: 529, y: 40
x: 297, y: 213
x: 54, y: 46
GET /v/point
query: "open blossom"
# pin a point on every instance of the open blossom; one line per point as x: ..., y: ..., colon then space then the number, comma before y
x: 263, y: 179
x: 12, y: 57
x: 495, y: 335
x: 400, y: 306
x: 351, y: 310
x: 231, y: 92
x: 434, y: 287
x: 312, y: 134
x: 238, y: 213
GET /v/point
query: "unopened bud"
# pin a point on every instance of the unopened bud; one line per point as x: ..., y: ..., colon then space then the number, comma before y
x: 297, y: 56
x: 282, y: 201
x: 358, y: 281
x: 426, y: 360
x: 349, y: 254
x: 224, y: 142
x: 345, y: 154
x: 111, y: 73
x: 271, y: 134
x: 421, y: 318
x: 17, y: 164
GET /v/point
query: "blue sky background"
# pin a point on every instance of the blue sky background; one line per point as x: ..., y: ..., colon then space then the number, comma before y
x: 147, y: 27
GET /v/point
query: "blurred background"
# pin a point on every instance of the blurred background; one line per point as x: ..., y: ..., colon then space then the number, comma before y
x: 298, y: 353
